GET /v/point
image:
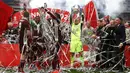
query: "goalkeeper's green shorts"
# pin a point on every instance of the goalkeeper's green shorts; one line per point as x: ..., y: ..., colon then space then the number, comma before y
x: 76, y: 47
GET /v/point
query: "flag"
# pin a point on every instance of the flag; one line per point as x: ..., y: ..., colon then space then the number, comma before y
x: 34, y: 12
x: 5, y: 13
x: 9, y: 55
x: 91, y: 14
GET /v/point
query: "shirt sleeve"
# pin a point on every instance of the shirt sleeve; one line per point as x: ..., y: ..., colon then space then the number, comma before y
x: 123, y: 34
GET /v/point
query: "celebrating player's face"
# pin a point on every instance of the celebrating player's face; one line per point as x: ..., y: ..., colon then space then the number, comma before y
x: 117, y: 21
x: 112, y: 22
x: 77, y: 21
x: 99, y: 23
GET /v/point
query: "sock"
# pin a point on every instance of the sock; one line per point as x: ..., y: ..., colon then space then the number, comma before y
x: 72, y: 60
x: 82, y: 60
x: 21, y: 66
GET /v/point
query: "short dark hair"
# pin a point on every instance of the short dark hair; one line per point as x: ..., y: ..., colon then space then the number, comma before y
x: 26, y: 14
x: 129, y: 23
x: 100, y: 20
x: 120, y: 18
